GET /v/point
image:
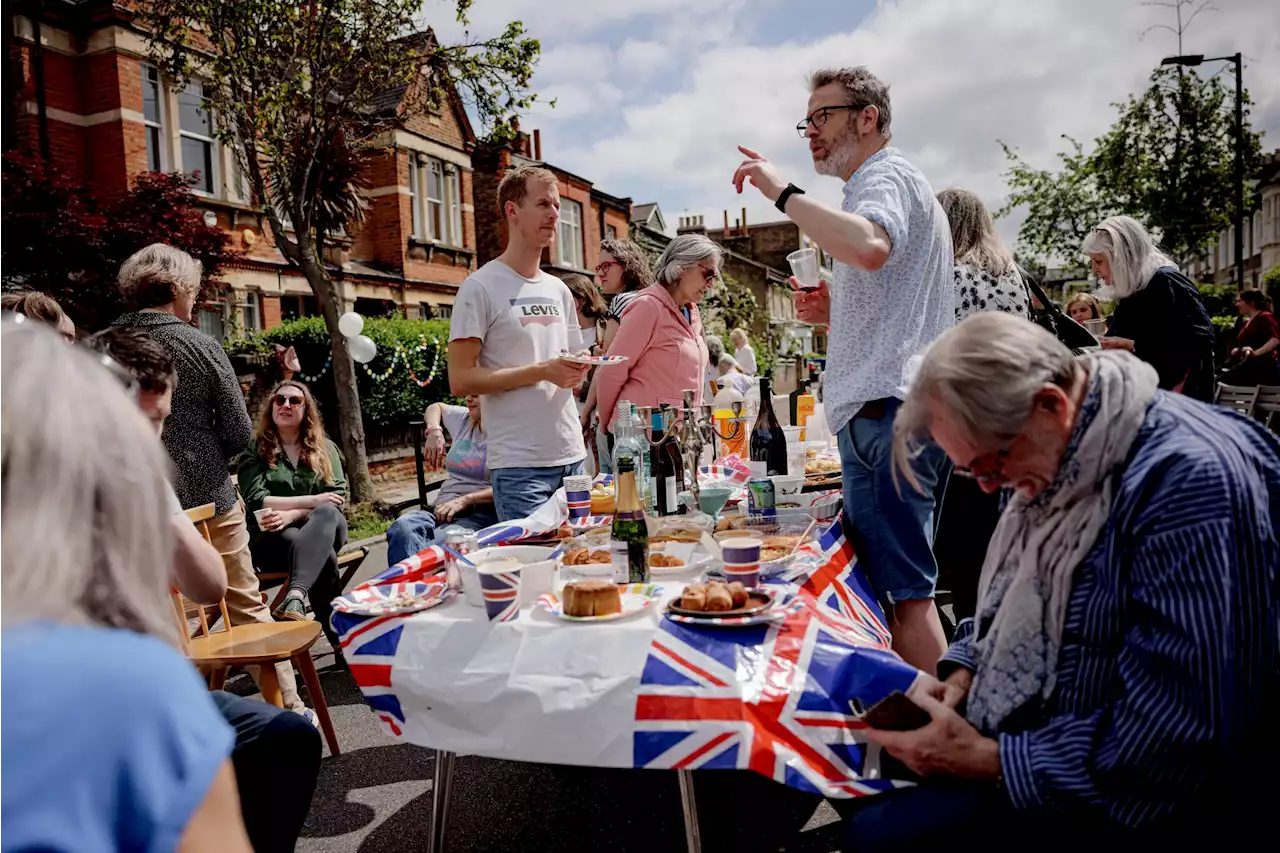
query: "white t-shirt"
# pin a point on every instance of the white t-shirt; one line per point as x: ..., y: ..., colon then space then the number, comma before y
x: 522, y: 321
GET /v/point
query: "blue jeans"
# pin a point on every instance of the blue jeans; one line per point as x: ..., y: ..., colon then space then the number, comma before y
x: 890, y: 523
x: 415, y: 530
x: 517, y: 492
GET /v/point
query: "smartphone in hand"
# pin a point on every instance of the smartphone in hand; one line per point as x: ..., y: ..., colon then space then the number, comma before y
x: 896, y: 713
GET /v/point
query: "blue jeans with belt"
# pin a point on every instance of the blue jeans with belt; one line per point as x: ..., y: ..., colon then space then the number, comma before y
x: 891, y: 524
x: 518, y: 492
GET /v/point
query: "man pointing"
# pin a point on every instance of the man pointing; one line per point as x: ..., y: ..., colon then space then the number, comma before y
x: 892, y: 295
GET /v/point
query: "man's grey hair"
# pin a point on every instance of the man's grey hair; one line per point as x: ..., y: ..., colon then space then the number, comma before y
x: 984, y: 373
x: 683, y: 252
x: 862, y: 89
x: 158, y: 275
x: 84, y: 530
x: 1132, y: 253
x: 727, y: 360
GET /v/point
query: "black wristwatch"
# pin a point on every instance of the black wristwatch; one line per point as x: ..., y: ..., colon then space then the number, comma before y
x: 791, y: 190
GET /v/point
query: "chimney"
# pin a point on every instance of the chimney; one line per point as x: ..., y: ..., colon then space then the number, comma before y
x: 726, y: 224
x: 537, y: 144
x: 744, y: 222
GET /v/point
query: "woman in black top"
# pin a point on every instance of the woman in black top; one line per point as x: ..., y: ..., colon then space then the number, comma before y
x: 1159, y: 315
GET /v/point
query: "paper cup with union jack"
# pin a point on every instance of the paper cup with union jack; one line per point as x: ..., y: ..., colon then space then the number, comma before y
x: 742, y: 559
x: 500, y: 586
x: 579, y: 504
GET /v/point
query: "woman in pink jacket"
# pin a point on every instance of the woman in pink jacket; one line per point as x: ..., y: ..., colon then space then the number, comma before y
x: 662, y: 336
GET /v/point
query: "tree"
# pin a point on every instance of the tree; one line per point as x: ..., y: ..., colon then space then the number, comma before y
x: 300, y: 89
x: 1168, y: 161
x: 59, y: 239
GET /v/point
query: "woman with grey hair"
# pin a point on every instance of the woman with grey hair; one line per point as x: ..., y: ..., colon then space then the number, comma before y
x: 1117, y: 679
x: 662, y: 337
x: 1160, y: 316
x: 114, y: 736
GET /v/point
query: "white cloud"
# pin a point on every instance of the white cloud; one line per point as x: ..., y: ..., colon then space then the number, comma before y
x: 963, y: 73
x: 654, y: 95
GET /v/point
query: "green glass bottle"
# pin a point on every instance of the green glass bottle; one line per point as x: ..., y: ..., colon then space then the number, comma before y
x: 629, y: 540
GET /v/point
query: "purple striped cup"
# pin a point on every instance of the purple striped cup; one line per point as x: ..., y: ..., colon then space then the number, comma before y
x: 579, y: 503
x: 500, y: 586
x: 742, y: 559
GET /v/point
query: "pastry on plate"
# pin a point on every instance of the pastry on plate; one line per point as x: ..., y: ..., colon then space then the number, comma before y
x: 592, y: 598
x: 738, y: 593
x: 694, y: 597
x: 664, y: 561
x: 718, y: 598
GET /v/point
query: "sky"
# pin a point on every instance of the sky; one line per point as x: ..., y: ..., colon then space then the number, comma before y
x: 654, y: 96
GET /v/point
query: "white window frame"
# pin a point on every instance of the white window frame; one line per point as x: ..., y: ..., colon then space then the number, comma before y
x: 156, y: 127
x: 443, y: 311
x: 415, y: 197
x: 434, y: 206
x: 215, y: 310
x: 214, y: 178
x: 435, y: 217
x: 249, y: 302
x: 569, y: 233
x: 453, y: 204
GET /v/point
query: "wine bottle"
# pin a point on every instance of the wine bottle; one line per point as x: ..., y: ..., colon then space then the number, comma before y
x: 644, y: 473
x: 768, y: 441
x: 629, y: 538
x: 793, y: 399
x: 668, y: 470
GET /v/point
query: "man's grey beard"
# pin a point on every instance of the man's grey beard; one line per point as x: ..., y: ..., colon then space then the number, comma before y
x: 840, y: 157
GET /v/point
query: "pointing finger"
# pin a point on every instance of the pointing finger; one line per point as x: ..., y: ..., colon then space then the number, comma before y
x: 752, y: 154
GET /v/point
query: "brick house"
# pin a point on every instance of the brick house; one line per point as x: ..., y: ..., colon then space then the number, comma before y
x: 587, y: 214
x: 90, y: 98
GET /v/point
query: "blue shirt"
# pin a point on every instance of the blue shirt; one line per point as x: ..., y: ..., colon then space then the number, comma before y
x: 110, y: 740
x: 882, y: 322
x: 1170, y: 651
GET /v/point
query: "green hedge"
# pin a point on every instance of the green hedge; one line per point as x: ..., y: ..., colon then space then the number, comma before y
x: 389, y: 401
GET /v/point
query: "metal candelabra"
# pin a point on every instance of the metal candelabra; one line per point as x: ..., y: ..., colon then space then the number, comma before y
x: 695, y: 430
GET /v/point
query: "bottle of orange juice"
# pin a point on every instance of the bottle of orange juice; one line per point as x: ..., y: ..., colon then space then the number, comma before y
x: 723, y: 412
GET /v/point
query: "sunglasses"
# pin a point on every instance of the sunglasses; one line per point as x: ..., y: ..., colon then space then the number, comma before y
x: 709, y: 276
x: 289, y: 400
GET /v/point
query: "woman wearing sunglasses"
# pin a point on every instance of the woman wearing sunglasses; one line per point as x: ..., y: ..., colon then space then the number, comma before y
x: 662, y: 336
x: 291, y: 479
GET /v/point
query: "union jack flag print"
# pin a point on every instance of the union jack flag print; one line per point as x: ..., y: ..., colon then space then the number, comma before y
x: 779, y: 698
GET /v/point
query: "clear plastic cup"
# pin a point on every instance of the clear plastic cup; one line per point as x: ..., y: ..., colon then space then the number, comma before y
x: 804, y: 266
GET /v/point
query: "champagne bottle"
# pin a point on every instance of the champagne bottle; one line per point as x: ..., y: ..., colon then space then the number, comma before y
x: 629, y: 538
x: 768, y: 441
x: 644, y: 473
x: 625, y: 444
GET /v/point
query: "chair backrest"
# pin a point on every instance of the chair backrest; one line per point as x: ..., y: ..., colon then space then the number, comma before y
x: 1241, y: 398
x: 1268, y: 398
x: 199, y: 516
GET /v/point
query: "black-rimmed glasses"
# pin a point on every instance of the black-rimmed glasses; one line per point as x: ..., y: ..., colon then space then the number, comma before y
x: 819, y: 117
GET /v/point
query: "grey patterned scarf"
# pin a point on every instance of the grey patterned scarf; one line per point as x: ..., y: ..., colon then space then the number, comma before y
x: 1032, y: 559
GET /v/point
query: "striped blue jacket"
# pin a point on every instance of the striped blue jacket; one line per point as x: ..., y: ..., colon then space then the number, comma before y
x: 1170, y: 660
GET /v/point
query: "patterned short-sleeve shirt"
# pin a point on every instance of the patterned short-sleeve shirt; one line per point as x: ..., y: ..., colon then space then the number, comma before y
x: 978, y: 290
x: 881, y: 322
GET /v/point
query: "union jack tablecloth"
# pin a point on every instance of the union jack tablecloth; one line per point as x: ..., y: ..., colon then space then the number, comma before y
x: 780, y: 699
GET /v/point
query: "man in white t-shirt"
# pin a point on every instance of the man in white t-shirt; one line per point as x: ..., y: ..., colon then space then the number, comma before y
x: 511, y: 323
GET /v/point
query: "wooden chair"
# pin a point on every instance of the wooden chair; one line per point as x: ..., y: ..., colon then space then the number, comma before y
x: 261, y: 644
x: 1267, y: 407
x: 1241, y: 398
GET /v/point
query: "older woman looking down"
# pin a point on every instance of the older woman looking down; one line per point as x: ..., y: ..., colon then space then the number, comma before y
x: 1159, y: 315
x: 662, y: 336
x: 1119, y: 679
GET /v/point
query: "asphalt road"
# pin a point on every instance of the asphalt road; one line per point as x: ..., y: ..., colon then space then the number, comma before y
x: 376, y: 796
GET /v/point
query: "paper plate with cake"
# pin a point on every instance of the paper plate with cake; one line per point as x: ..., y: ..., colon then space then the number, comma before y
x: 599, y: 600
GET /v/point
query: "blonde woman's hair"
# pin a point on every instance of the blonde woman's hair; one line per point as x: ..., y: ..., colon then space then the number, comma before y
x: 973, y: 233
x: 158, y: 275
x: 739, y: 334
x: 85, y: 519
x: 1132, y: 253
x: 311, y: 435
x: 1087, y: 299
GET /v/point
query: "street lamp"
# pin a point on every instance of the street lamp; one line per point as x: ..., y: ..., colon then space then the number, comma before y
x: 1197, y: 59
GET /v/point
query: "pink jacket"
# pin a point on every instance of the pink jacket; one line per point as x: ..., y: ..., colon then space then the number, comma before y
x: 666, y: 355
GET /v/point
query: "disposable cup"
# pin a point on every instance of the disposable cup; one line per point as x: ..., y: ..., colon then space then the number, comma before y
x: 536, y: 579
x: 579, y: 503
x: 578, y: 483
x: 259, y: 515
x: 500, y: 587
x: 742, y: 559
x: 470, y: 584
x: 804, y: 266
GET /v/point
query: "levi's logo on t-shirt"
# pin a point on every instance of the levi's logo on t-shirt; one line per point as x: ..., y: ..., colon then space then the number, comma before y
x: 542, y: 310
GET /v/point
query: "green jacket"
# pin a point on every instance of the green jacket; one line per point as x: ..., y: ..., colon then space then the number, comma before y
x: 258, y: 482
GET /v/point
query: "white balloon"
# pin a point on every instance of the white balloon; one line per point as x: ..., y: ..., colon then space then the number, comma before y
x: 350, y: 324
x: 362, y: 348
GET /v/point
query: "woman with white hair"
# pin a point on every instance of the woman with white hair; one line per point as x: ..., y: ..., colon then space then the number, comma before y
x: 111, y: 740
x: 662, y: 336
x: 208, y: 426
x: 1159, y: 315
x: 1119, y: 679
